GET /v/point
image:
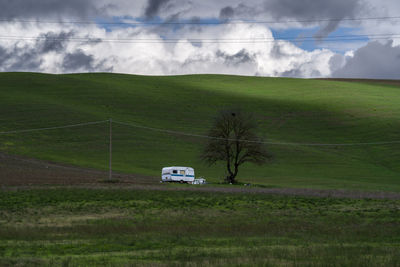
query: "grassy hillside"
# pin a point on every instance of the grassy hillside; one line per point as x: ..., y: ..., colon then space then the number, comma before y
x: 288, y: 110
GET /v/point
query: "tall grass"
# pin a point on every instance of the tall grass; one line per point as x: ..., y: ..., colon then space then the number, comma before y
x: 137, y: 227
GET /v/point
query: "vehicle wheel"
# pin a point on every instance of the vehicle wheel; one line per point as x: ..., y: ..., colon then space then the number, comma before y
x: 181, y: 181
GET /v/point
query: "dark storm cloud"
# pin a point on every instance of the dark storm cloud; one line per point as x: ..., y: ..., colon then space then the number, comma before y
x: 194, y: 25
x: 30, y: 57
x: 374, y: 61
x: 54, y: 41
x: 27, y: 61
x: 46, y: 8
x: 240, y: 57
x: 277, y: 53
x: 336, y: 62
x: 77, y: 60
x: 311, y: 9
x: 291, y: 73
x: 314, y: 10
x: 4, y: 55
x: 153, y: 7
x: 300, y: 10
x: 239, y: 11
x: 227, y: 13
x: 19, y: 58
x: 298, y: 73
x: 165, y: 28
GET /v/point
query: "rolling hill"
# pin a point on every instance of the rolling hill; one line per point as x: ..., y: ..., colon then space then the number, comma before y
x: 305, y: 111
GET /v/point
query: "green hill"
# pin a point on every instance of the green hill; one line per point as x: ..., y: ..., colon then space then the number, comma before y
x: 288, y: 110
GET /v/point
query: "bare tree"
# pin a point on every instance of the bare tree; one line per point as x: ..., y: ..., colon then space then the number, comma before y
x: 233, y: 140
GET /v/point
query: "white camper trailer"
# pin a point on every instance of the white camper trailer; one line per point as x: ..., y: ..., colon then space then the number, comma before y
x: 177, y: 174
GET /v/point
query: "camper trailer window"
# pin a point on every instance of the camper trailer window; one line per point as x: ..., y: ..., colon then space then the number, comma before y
x: 174, y: 171
x: 182, y: 172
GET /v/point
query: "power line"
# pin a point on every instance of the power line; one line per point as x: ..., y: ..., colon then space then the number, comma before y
x: 53, y: 128
x: 251, y: 141
x: 209, y: 40
x: 208, y: 22
x: 201, y: 136
x: 95, y: 38
x: 47, y: 164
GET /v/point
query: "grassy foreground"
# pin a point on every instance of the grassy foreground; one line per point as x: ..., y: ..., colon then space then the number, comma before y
x: 287, y: 110
x: 80, y: 227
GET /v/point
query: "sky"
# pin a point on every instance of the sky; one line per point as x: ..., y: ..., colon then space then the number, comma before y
x: 275, y: 38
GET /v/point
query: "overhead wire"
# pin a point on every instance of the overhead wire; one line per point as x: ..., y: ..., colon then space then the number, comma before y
x: 53, y: 128
x: 253, y: 141
x: 209, y: 21
x: 199, y: 135
x: 90, y: 39
x: 93, y: 39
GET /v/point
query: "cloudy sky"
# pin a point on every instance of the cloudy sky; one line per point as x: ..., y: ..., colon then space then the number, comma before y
x: 288, y: 38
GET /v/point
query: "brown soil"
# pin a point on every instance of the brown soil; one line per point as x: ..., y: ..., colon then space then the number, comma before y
x: 21, y: 171
x: 18, y: 172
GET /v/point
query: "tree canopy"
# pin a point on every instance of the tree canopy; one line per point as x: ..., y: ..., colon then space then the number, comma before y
x: 233, y: 139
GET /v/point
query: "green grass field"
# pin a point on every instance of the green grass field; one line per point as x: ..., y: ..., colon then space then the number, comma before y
x: 287, y: 110
x: 117, y: 227
x: 92, y: 226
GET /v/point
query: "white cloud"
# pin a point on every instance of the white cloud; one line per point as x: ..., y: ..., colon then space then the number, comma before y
x: 58, y: 52
x: 156, y: 57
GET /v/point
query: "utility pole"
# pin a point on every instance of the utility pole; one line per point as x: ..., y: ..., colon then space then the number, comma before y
x: 110, y: 167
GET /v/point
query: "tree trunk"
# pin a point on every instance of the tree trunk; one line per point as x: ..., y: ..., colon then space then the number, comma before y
x: 230, y: 179
x: 234, y: 174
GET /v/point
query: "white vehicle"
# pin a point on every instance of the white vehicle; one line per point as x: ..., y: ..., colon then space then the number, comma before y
x: 199, y: 181
x: 177, y: 174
